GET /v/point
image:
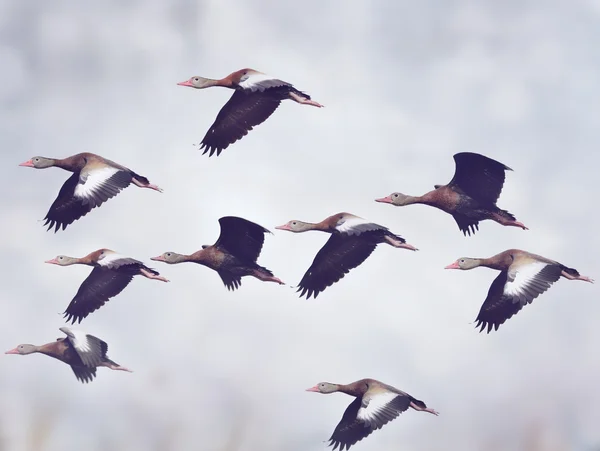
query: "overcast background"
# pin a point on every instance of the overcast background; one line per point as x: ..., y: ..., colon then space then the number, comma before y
x: 406, y: 85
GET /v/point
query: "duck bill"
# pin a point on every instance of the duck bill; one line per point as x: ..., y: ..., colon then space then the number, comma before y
x: 315, y: 388
x: 385, y: 200
x: 185, y: 83
x: 453, y: 266
x: 283, y: 227
x: 27, y: 164
x: 54, y: 261
x: 160, y: 258
x: 12, y: 351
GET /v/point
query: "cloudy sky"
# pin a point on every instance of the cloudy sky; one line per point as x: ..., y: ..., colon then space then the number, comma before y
x: 406, y: 85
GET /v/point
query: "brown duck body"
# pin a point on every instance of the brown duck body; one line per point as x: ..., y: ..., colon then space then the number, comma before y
x: 63, y: 350
x: 471, y: 195
x: 112, y: 273
x: 95, y: 180
x: 233, y: 255
x: 82, y: 352
x: 376, y: 404
x: 523, y: 277
x: 230, y: 267
x: 353, y: 240
x: 255, y: 99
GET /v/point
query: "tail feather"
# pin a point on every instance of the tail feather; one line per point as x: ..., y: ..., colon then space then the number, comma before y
x: 263, y: 269
x: 570, y: 271
x: 505, y: 214
x: 418, y: 402
x: 300, y: 93
x: 396, y: 237
x: 140, y: 178
x: 151, y: 270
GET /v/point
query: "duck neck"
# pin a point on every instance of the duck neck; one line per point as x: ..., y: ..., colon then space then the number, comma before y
x: 427, y: 199
x: 349, y: 389
x: 488, y: 263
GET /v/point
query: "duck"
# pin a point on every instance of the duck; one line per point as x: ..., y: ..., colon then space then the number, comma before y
x: 95, y: 180
x: 111, y: 274
x: 232, y: 256
x: 352, y: 241
x: 82, y: 352
x: 376, y: 404
x: 471, y: 195
x: 523, y: 277
x: 256, y: 97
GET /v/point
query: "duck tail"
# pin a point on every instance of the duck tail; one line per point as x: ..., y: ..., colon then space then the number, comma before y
x: 505, y: 215
x: 570, y: 271
x: 140, y: 178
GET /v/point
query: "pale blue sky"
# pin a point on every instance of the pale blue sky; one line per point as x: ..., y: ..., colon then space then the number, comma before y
x: 406, y: 85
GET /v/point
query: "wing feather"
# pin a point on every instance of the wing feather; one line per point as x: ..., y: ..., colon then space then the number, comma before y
x: 336, y: 258
x: 244, y: 111
x: 101, y: 285
x: 479, y: 177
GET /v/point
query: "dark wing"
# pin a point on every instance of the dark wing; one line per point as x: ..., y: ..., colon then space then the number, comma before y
x: 364, y: 415
x: 101, y: 285
x: 96, y: 353
x: 239, y: 115
x: 82, y: 192
x: 91, y: 350
x: 231, y: 282
x: 241, y: 238
x: 479, y: 177
x: 336, y: 258
x: 83, y: 373
x: 350, y: 429
x: 465, y: 224
x: 507, y: 295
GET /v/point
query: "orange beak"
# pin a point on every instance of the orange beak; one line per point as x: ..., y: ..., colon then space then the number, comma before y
x: 54, y: 261
x: 160, y: 258
x: 12, y: 351
x: 315, y: 388
x: 385, y: 200
x: 453, y: 266
x: 284, y: 227
x: 185, y: 83
x: 27, y: 164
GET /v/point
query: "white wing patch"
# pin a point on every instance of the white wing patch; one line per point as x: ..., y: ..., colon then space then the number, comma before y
x: 78, y: 339
x: 355, y: 226
x: 521, y: 278
x: 110, y: 258
x: 259, y: 82
x: 376, y: 404
x: 95, y: 178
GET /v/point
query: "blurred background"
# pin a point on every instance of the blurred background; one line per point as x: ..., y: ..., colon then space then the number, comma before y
x: 406, y: 85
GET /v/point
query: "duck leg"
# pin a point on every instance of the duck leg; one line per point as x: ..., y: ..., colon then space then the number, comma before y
x: 304, y: 101
x: 506, y: 219
x: 115, y: 366
x: 149, y: 275
x: 265, y: 277
x: 397, y: 243
x: 423, y: 409
x: 577, y: 277
x: 136, y: 182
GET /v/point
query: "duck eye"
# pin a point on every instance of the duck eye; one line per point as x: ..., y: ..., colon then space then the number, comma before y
x: 60, y: 258
x: 195, y: 78
x: 294, y: 223
x: 395, y: 195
